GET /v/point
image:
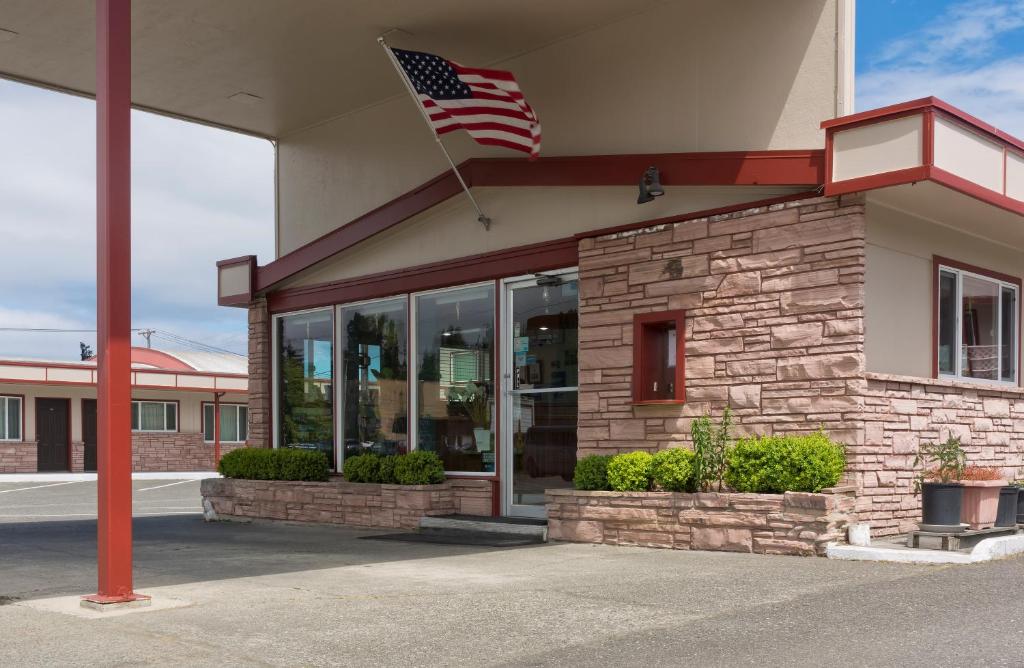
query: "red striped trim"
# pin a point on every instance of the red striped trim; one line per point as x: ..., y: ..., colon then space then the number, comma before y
x: 499, y: 75
x: 480, y: 111
x: 491, y: 141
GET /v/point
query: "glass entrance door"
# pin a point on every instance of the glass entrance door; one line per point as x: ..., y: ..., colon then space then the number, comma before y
x: 540, y: 374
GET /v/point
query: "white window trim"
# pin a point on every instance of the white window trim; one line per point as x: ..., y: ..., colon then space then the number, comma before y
x: 4, y: 398
x: 957, y: 355
x: 238, y: 421
x: 165, y: 430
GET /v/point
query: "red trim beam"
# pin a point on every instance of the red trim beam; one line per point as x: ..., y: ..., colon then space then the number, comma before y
x: 772, y: 168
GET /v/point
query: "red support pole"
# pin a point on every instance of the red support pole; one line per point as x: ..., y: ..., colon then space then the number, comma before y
x: 216, y: 429
x: 113, y: 303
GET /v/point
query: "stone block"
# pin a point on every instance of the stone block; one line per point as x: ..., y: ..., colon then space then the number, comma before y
x: 905, y: 442
x: 995, y: 407
x: 837, y: 365
x: 721, y: 539
x: 739, y: 284
x: 805, y: 334
x: 577, y: 531
x: 822, y: 299
x: 745, y: 396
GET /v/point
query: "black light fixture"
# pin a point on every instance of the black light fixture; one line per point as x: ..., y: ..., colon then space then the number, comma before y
x: 650, y: 186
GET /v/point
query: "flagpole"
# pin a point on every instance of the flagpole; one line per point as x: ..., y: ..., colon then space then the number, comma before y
x: 481, y: 218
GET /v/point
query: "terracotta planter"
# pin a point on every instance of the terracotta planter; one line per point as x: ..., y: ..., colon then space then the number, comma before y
x: 981, y: 502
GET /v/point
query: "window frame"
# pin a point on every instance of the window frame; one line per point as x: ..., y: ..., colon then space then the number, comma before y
x: 642, y: 322
x: 202, y: 419
x: 21, y: 417
x: 960, y: 270
x: 177, y: 416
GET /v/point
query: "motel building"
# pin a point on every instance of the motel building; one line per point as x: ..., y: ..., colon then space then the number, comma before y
x: 48, y: 412
x: 807, y: 264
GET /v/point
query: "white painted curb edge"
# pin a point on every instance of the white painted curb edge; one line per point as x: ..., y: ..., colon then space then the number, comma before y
x: 988, y: 549
x: 86, y: 477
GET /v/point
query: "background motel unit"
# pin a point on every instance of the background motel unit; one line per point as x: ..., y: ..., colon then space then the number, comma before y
x: 807, y: 266
x: 48, y: 412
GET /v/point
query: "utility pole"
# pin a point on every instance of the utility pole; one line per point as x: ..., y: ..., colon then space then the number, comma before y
x: 147, y: 333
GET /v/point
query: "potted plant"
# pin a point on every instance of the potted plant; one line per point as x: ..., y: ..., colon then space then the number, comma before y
x: 981, y: 495
x: 1020, y: 502
x: 941, y: 495
x: 1006, y: 515
x: 472, y: 401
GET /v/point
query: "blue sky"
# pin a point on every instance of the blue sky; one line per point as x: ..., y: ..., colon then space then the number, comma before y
x: 970, y: 54
x: 200, y: 194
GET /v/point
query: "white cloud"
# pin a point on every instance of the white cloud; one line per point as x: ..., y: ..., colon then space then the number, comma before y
x: 198, y: 195
x: 960, y: 58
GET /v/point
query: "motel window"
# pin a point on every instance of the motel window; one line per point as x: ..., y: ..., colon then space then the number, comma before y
x: 305, y: 382
x: 454, y: 389
x: 658, y: 357
x: 234, y: 423
x: 10, y: 418
x: 977, y: 323
x: 374, y: 377
x: 154, y: 416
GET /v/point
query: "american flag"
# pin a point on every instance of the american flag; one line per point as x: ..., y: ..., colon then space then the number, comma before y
x: 485, y: 103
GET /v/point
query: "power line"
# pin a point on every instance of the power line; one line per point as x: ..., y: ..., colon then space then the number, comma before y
x: 159, y: 333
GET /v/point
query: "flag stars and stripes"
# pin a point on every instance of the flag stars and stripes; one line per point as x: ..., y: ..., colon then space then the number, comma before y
x: 485, y: 103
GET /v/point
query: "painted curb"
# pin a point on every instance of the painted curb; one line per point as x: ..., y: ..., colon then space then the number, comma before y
x: 988, y: 549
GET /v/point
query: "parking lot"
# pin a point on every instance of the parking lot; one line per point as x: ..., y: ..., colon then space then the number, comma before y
x: 279, y: 594
x: 46, y: 501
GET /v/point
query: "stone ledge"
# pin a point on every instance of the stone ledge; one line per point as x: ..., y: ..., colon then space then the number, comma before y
x: 992, y: 388
x: 794, y: 523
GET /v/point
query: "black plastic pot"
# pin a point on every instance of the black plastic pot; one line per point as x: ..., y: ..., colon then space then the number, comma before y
x: 1006, y: 515
x: 1020, y: 505
x: 940, y: 505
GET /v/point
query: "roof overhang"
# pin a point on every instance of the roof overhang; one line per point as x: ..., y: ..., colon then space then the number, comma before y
x: 84, y: 375
x: 924, y: 140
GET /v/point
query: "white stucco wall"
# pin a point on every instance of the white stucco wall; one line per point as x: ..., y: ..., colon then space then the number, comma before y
x: 700, y: 75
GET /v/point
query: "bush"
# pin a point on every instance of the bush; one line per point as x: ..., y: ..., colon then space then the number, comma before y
x: 278, y: 464
x: 776, y: 464
x: 362, y: 468
x: 673, y: 470
x: 386, y: 472
x: 592, y: 473
x: 630, y: 472
x: 709, y: 447
x: 419, y: 467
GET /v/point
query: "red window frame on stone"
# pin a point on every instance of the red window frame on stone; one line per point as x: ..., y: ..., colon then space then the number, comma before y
x: 649, y: 338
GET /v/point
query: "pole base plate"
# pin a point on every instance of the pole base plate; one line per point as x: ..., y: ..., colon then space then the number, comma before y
x: 103, y: 603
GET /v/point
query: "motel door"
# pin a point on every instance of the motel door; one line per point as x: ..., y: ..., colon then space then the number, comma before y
x: 540, y: 383
x: 52, y: 435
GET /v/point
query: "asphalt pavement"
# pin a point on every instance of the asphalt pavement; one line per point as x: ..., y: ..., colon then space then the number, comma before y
x: 265, y: 594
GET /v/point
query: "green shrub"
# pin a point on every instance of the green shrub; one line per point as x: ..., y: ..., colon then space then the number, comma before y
x: 673, y: 470
x: 386, y: 472
x: 630, y: 472
x: 277, y: 464
x: 362, y: 468
x: 709, y: 447
x: 776, y: 464
x: 419, y: 467
x: 592, y: 473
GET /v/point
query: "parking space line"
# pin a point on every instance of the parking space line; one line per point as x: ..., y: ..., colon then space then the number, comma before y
x: 55, y: 484
x: 193, y: 512
x: 170, y: 484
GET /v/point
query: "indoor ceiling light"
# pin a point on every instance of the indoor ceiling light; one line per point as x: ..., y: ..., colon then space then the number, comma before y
x: 7, y: 35
x: 245, y: 98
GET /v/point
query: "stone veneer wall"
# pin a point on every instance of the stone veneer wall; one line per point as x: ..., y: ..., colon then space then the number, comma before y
x: 774, y: 322
x: 174, y: 452
x: 340, y: 502
x: 259, y: 374
x: 792, y: 523
x: 18, y: 457
x: 901, y: 413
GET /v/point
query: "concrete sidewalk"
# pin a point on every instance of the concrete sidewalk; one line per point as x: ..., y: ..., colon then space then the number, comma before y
x: 272, y: 594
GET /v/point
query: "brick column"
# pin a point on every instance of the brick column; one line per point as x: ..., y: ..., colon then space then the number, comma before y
x: 259, y: 375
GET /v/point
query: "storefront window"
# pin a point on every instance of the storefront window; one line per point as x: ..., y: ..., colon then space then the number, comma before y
x: 454, y: 372
x: 374, y: 377
x: 305, y: 357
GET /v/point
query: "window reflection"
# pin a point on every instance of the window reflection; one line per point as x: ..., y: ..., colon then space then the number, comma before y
x: 455, y: 365
x: 306, y: 382
x: 374, y: 377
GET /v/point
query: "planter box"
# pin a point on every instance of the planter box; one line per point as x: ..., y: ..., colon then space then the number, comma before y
x: 340, y: 502
x: 792, y: 523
